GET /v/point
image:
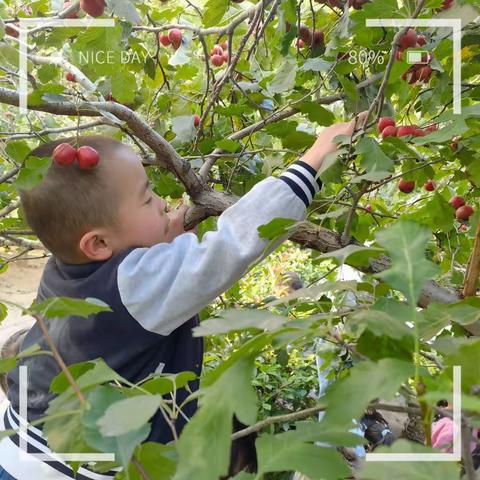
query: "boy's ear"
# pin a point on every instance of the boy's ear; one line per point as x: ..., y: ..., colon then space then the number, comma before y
x: 93, y: 245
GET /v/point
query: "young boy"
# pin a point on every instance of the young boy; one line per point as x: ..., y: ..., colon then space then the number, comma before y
x: 112, y: 238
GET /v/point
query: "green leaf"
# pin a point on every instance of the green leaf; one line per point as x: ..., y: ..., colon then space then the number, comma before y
x: 3, y: 312
x: 465, y: 311
x: 316, y: 65
x: 166, y: 383
x: 181, y: 55
x: 124, y: 9
x: 314, y: 431
x: 236, y: 319
x: 343, y: 253
x: 277, y: 453
x: 284, y: 77
x: 406, y: 241
x: 128, y: 415
x: 374, y: 176
x: 156, y: 461
x: 276, y: 228
x: 234, y: 109
x: 465, y: 353
x: 387, y: 317
x: 373, y: 160
x: 348, y: 398
x: 66, y: 433
x: 316, y: 113
x: 60, y: 383
x: 436, y: 214
x: 456, y: 127
x: 32, y: 172
x: 281, y: 129
x: 377, y: 347
x: 100, y: 399
x: 316, y: 292
x: 86, y: 376
x: 432, y: 319
x: 183, y: 128
x: 409, y: 470
x: 349, y: 87
x: 47, y: 73
x: 298, y: 140
x: 231, y: 146
x: 41, y: 94
x: 66, y: 306
x: 204, y: 445
x: 214, y: 12
x: 17, y: 150
x: 124, y: 86
x: 331, y: 169
x: 8, y: 364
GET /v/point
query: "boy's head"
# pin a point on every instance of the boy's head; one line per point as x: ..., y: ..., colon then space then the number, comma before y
x: 90, y: 215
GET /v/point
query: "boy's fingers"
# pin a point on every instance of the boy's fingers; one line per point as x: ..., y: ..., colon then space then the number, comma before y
x: 360, y: 117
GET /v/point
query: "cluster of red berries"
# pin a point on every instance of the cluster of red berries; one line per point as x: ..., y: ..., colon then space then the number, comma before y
x: 421, y: 71
x: 308, y: 36
x: 86, y: 157
x: 173, y: 38
x: 387, y: 128
x: 462, y: 210
x: 407, y: 186
x: 219, y: 54
x: 94, y: 8
x: 445, y: 5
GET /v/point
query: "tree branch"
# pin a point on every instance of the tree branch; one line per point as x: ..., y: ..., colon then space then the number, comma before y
x: 220, y: 31
x: 473, y: 268
x: 41, y: 323
x: 290, y: 417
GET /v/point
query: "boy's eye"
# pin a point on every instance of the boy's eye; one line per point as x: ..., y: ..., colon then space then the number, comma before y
x: 149, y: 200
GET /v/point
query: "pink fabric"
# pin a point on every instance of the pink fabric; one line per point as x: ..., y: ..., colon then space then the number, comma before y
x: 442, y: 435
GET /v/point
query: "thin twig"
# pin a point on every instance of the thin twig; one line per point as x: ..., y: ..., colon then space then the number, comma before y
x: 140, y: 468
x: 277, y: 419
x: 41, y: 323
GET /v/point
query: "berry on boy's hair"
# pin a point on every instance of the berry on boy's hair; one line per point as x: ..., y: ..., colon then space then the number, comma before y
x: 70, y: 199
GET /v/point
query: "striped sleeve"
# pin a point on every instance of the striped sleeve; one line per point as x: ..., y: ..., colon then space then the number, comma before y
x: 300, y: 177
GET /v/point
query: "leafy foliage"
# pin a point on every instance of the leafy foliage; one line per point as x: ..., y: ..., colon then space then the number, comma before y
x: 259, y: 112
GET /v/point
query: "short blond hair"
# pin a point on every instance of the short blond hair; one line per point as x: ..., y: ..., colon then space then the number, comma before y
x: 70, y: 201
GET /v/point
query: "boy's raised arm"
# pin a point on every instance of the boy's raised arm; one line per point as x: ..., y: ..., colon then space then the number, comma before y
x: 324, y: 143
x: 165, y: 285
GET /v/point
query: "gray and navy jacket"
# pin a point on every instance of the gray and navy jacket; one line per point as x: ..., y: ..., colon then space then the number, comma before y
x: 155, y: 294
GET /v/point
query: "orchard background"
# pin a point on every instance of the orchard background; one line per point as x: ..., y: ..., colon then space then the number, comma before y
x: 215, y: 96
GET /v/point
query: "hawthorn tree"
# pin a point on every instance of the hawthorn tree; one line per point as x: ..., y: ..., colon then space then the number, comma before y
x: 215, y: 96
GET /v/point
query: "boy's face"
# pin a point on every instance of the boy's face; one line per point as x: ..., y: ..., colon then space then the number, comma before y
x: 143, y: 219
x: 143, y: 216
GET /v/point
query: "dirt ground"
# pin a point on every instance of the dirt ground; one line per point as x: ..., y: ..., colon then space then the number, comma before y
x: 19, y: 285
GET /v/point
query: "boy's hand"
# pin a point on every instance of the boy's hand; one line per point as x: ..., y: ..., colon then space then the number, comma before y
x: 177, y: 218
x: 325, y: 144
x: 175, y: 227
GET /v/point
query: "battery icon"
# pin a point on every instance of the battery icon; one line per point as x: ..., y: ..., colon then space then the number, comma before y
x: 418, y: 56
